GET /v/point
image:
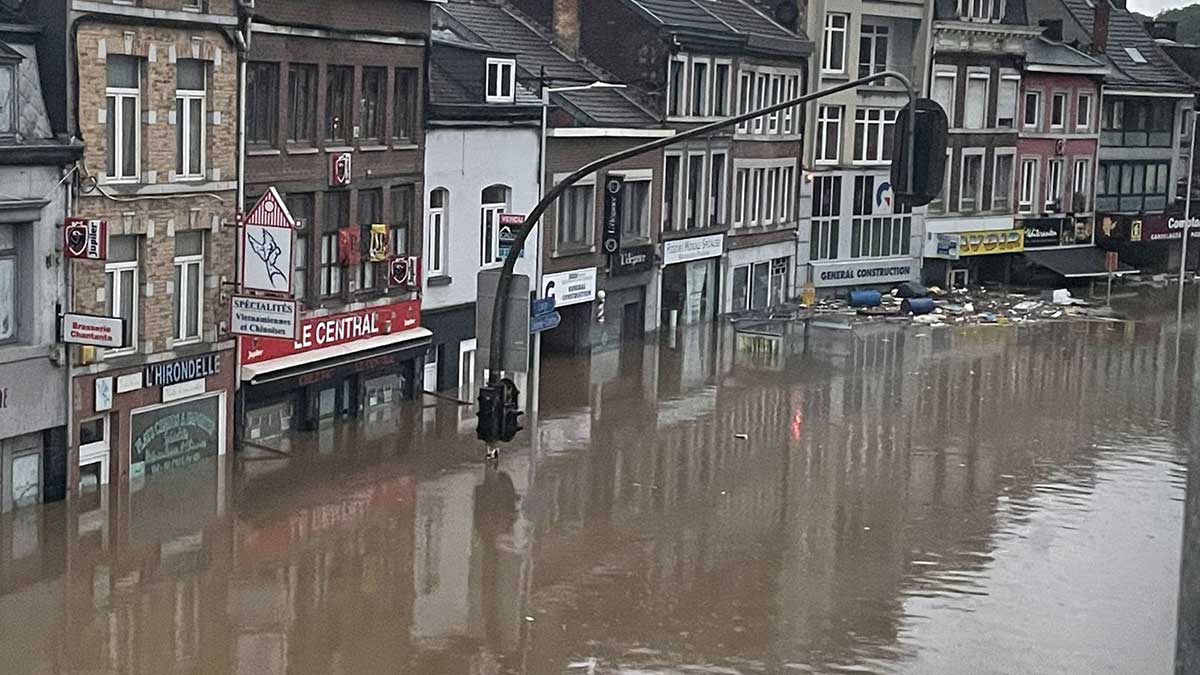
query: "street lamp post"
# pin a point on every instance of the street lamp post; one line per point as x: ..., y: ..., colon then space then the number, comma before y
x: 1187, y: 215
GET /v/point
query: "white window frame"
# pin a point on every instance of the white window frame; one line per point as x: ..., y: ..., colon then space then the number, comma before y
x: 745, y: 91
x: 718, y: 204
x: 952, y: 75
x: 506, y: 74
x: 1024, y: 205
x: 1037, y: 120
x: 1081, y: 180
x: 1079, y: 99
x: 826, y: 43
x: 962, y: 179
x: 880, y: 127
x: 489, y: 255
x: 873, y: 37
x: 787, y: 195
x: 639, y: 176
x: 705, y: 87
x: 791, y: 89
x: 741, y: 192
x: 678, y: 216
x: 701, y: 192
x: 589, y: 233
x: 435, y: 258
x: 98, y: 451
x: 972, y: 75
x: 729, y: 84
x: 116, y: 269
x: 1012, y: 154
x: 1013, y: 76
x: 758, y: 176
x: 185, y: 122
x: 1054, y: 98
x: 1054, y: 183
x: 770, y: 195
x: 124, y: 96
x: 824, y: 121
x: 190, y: 264
x: 777, y: 89
x: 683, y: 106
x: 762, y: 94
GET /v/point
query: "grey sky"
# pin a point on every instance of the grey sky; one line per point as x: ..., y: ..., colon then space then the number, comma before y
x: 1152, y: 7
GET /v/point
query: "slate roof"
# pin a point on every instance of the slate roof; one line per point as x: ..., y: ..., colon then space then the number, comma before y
x: 501, y: 28
x: 1159, y: 73
x: 1041, y: 51
x: 729, y: 19
x: 456, y: 78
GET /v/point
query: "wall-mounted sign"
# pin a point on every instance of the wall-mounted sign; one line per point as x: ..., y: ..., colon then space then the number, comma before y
x: 85, y: 239
x: 268, y: 244
x: 405, y: 272
x: 176, y: 435
x: 104, y: 394
x: 129, y: 382
x: 570, y: 288
x: 696, y: 248
x: 507, y: 236
x: 942, y: 246
x: 884, y: 198
x: 991, y: 242
x: 263, y: 317
x: 99, y: 331
x: 340, y: 165
x: 612, y: 214
x: 1045, y: 232
x: 182, y: 390
x: 379, y: 243
x: 632, y: 260
x: 349, y: 246
x: 863, y: 272
x: 335, y: 329
x: 181, y: 370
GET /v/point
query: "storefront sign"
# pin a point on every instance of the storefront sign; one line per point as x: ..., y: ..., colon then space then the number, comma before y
x: 612, y: 214
x: 863, y: 272
x: 991, y: 242
x: 335, y: 329
x: 176, y: 392
x: 87, y: 329
x: 176, y: 435
x: 1045, y: 232
x: 570, y: 288
x: 1143, y: 228
x: 182, y: 370
x: 263, y: 317
x: 1173, y: 231
x: 632, y: 260
x: 379, y: 243
x: 129, y: 382
x: 268, y: 244
x: 85, y: 239
x: 942, y: 246
x: 696, y: 248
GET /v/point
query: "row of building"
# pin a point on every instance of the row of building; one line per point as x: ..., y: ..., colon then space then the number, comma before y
x: 425, y: 128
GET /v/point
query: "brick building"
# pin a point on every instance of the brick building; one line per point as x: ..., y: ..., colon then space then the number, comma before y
x: 156, y: 85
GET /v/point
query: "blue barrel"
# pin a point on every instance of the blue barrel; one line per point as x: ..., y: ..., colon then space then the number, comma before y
x: 865, y: 298
x: 917, y: 306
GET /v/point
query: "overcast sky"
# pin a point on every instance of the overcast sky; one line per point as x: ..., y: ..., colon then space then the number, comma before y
x: 1153, y: 7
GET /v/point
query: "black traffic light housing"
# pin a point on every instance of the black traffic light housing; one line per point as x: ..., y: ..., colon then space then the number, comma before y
x: 499, y: 412
x: 510, y: 419
x: 930, y: 128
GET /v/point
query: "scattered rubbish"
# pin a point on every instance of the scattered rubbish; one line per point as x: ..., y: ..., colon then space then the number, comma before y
x: 928, y: 319
x: 741, y: 437
x: 1027, y: 306
x: 1063, y: 297
x: 529, y: 619
x: 911, y: 289
x: 917, y: 306
x: 865, y: 298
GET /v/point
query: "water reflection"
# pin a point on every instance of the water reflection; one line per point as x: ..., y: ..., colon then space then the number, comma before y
x: 887, y: 501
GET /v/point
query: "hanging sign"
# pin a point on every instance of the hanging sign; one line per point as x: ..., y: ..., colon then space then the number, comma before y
x: 268, y: 244
x: 99, y: 331
x: 379, y: 243
x: 349, y: 246
x: 405, y: 272
x: 612, y: 214
x: 85, y: 239
x: 339, y: 169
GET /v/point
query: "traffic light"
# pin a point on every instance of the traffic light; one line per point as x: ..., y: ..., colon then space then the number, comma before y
x: 491, y: 413
x: 929, y: 152
x: 510, y: 422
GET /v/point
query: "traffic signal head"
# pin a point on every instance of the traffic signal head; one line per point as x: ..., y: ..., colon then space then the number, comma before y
x: 491, y: 413
x: 510, y: 410
x: 929, y: 126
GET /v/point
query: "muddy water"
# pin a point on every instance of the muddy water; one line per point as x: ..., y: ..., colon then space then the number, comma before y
x: 992, y: 500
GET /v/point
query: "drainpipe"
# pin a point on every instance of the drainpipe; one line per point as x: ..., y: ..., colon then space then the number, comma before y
x: 243, y: 40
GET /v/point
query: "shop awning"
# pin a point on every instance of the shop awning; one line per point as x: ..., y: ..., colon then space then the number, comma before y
x: 332, y: 357
x: 1075, y: 263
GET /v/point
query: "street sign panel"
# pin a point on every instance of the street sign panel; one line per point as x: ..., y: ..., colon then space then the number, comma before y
x: 516, y: 338
x: 612, y: 214
x: 545, y: 322
x: 263, y: 317
x: 543, y: 306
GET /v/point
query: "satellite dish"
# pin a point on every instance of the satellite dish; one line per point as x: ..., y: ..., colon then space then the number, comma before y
x: 786, y: 12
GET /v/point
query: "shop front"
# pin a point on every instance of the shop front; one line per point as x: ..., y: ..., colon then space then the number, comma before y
x: 690, y: 280
x: 759, y: 277
x: 863, y: 273
x: 962, y: 258
x: 32, y: 432
x: 1152, y: 242
x: 339, y: 365
x: 134, y: 424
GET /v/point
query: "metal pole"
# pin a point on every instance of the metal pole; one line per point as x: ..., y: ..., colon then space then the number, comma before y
x: 500, y: 314
x: 1187, y: 215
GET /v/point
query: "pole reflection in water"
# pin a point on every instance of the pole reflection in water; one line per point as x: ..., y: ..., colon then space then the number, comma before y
x: 896, y: 499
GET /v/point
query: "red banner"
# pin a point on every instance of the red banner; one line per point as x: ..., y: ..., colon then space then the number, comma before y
x: 335, y: 329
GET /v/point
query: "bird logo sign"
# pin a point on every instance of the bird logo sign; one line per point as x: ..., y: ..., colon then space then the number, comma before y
x: 268, y: 242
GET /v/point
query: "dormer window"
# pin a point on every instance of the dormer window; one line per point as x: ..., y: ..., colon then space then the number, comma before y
x: 9, y: 60
x: 501, y: 80
x: 1135, y: 55
x: 980, y: 10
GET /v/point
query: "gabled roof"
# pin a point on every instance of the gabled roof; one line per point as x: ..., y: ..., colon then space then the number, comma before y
x: 728, y: 19
x: 1058, y: 57
x: 500, y: 27
x: 1126, y: 32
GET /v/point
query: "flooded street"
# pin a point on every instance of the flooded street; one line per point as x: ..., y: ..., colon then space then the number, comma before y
x: 897, y: 499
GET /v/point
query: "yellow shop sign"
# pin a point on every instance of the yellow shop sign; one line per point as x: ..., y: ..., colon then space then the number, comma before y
x: 991, y: 242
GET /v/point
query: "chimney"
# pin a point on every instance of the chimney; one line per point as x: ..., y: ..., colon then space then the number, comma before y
x: 1052, y: 29
x: 1162, y: 30
x: 1100, y: 27
x: 566, y: 24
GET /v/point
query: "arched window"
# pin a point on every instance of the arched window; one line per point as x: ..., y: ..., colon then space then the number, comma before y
x: 435, y: 233
x: 493, y: 202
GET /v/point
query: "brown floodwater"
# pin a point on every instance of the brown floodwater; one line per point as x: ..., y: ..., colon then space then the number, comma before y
x: 984, y: 500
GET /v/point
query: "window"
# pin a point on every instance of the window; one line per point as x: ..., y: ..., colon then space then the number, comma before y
x: 740, y: 194
x: 1135, y: 55
x: 1054, y: 170
x: 694, y: 205
x: 1033, y: 107
x: 1079, y: 185
x: 493, y: 202
x: 405, y: 102
x: 791, y: 115
x: 756, y: 197
x: 829, y: 133
x: 980, y: 10
x: 370, y: 211
x: 339, y: 92
x: 975, y: 103
x: 1132, y: 187
x: 972, y: 180
x: 939, y: 203
x: 576, y: 216
x: 943, y: 92
x: 124, y: 117
x: 371, y: 107
x: 873, y: 131
x: 1134, y: 122
x: 745, y: 97
x: 403, y: 201
x: 1058, y: 111
x: 716, y: 189
x: 121, y: 287
x: 1029, y: 185
x: 787, y: 194
x: 672, y: 189
x: 501, y: 80
x: 190, y: 124
x: 776, y: 97
x: 762, y: 284
x: 769, y: 195
x: 1006, y: 101
x: 1083, y: 112
x: 8, y: 98
x: 677, y: 86
x: 189, y: 285
x: 700, y: 88
x: 1002, y: 182
x: 193, y: 5
x: 635, y: 209
x: 435, y: 236
x: 833, y: 58
x: 8, y: 280
x: 302, y: 103
x: 872, y: 49
x: 826, y: 212
x: 301, y: 206
x: 337, y: 216
x: 762, y: 92
x: 262, y: 103
x: 877, y: 235
x: 721, y: 82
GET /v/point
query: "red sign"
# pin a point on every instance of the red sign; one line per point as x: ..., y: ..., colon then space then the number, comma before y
x: 269, y: 211
x: 349, y: 246
x: 1111, y: 263
x: 336, y: 329
x: 405, y: 272
x: 85, y: 239
x: 339, y: 169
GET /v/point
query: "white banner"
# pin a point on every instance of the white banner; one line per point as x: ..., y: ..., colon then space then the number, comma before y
x: 570, y: 288
x: 263, y: 317
x: 696, y: 248
x: 864, y: 272
x: 100, y: 331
